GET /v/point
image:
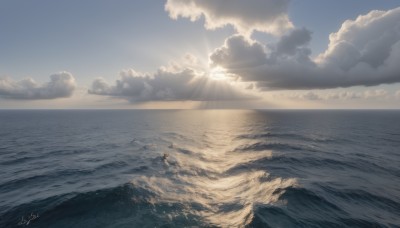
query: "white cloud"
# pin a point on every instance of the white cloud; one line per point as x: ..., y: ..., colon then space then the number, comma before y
x: 368, y: 39
x: 343, y: 95
x: 246, y: 16
x: 238, y: 53
x: 365, y: 52
x: 378, y: 94
x: 168, y: 84
x: 61, y: 85
x: 300, y: 96
x: 397, y: 94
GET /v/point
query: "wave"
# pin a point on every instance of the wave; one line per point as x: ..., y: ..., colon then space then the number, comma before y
x: 260, y: 146
x: 364, y: 199
x: 292, y: 136
x: 143, y: 203
x: 233, y: 172
x: 116, y: 207
x: 305, y: 208
x: 135, y: 205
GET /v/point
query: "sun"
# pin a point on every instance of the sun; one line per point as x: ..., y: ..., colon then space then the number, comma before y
x: 218, y: 73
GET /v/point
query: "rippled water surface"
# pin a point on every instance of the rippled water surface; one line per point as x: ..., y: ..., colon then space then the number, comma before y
x: 126, y: 168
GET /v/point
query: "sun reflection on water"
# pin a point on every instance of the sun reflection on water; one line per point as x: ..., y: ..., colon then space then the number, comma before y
x: 210, y: 178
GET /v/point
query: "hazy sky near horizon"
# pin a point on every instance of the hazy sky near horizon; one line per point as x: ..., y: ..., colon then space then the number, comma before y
x: 200, y: 54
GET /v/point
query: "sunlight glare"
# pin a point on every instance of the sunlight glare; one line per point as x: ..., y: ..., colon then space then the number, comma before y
x: 218, y: 73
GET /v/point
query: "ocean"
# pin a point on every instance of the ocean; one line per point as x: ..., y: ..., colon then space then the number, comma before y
x: 199, y: 168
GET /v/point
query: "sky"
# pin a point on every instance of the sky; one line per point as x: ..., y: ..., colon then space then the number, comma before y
x: 256, y: 54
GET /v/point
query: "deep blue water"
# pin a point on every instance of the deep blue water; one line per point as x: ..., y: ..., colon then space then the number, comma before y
x: 223, y: 169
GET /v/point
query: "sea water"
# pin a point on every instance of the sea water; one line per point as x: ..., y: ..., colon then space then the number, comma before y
x: 199, y: 168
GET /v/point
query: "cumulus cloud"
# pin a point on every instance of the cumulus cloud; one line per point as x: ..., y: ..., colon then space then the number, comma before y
x: 289, y: 44
x: 61, y: 85
x: 246, y: 16
x: 238, y: 53
x: 365, y: 51
x: 167, y: 84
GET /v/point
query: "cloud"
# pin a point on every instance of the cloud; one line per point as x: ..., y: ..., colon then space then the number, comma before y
x: 378, y: 94
x: 397, y: 94
x: 343, y: 95
x: 61, y: 85
x: 365, y: 51
x: 245, y: 16
x: 238, y: 53
x: 312, y: 96
x: 289, y: 44
x: 167, y: 84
